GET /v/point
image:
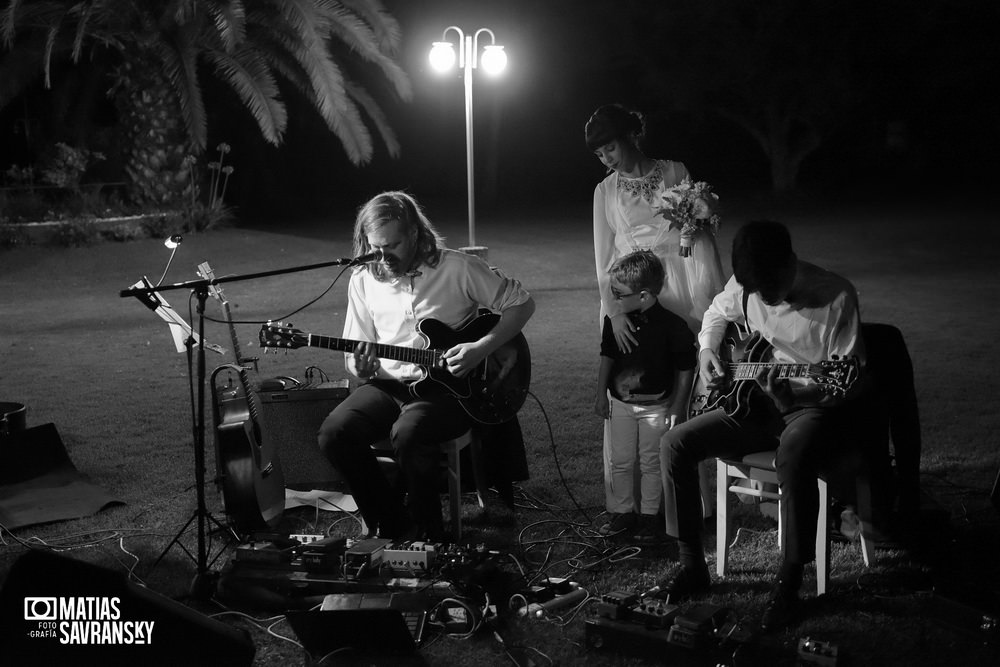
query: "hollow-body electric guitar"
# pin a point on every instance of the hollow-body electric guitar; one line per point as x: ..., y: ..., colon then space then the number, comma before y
x: 491, y: 394
x: 746, y: 354
x: 253, y: 486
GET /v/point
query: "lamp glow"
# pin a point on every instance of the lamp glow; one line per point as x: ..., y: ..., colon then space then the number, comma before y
x: 442, y: 56
x: 494, y: 59
x: 172, y: 242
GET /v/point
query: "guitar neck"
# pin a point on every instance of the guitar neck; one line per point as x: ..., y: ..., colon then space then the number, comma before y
x: 232, y: 332
x: 750, y: 370
x: 411, y: 355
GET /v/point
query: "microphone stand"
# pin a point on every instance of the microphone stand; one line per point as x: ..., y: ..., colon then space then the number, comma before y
x: 204, y: 582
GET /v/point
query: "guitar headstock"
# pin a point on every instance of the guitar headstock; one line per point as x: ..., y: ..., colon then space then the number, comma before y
x: 838, y: 375
x: 278, y: 335
x: 206, y: 273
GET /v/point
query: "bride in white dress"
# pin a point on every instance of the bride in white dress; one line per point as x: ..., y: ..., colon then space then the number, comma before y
x: 626, y: 219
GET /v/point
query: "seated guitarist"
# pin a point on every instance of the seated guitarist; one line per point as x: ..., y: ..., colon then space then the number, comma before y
x: 416, y: 278
x: 807, y: 315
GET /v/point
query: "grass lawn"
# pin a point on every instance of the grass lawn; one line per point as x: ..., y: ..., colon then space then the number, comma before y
x: 104, y: 370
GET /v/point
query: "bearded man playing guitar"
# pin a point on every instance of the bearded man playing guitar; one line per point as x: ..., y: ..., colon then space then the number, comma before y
x: 391, y: 302
x: 800, y: 392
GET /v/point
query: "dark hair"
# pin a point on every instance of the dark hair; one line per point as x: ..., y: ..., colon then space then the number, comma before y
x: 639, y: 270
x: 762, y: 256
x: 613, y: 121
x: 383, y: 209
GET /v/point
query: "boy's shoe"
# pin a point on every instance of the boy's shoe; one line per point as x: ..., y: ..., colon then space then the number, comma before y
x: 649, y: 528
x: 619, y: 523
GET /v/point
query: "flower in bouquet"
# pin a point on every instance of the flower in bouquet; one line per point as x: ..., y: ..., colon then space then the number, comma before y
x: 689, y: 206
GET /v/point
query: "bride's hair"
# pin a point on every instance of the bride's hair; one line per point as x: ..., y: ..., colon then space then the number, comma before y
x: 611, y: 122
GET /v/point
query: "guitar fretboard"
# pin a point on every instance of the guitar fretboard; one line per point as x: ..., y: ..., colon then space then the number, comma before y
x: 411, y: 355
x: 750, y: 370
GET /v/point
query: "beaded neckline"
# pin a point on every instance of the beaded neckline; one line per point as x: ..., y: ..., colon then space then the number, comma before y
x: 642, y: 186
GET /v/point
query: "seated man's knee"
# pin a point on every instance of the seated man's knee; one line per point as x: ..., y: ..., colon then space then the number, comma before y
x: 335, y: 438
x: 674, y: 449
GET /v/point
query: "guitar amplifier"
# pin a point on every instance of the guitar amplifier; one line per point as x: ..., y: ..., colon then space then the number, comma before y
x: 291, y: 418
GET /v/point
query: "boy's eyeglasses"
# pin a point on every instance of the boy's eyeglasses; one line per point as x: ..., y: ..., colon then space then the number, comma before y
x: 619, y: 296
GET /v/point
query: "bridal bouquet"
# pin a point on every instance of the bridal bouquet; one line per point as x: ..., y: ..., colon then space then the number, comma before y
x: 689, y: 207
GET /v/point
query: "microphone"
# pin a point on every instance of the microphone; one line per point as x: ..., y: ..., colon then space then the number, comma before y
x: 373, y: 256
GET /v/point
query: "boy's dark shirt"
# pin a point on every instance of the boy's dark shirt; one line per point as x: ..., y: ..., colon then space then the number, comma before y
x: 666, y: 344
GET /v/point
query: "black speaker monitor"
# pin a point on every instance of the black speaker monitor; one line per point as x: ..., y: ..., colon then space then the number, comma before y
x: 293, y: 418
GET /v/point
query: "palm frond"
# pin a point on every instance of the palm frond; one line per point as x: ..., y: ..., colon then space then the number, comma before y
x: 229, y: 20
x: 388, y: 35
x: 359, y: 36
x: 246, y: 71
x: 81, y: 31
x: 367, y: 102
x: 330, y: 94
x: 181, y: 67
x: 8, y: 22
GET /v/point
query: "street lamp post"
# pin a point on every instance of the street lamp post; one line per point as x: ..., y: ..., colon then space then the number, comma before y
x: 493, y: 61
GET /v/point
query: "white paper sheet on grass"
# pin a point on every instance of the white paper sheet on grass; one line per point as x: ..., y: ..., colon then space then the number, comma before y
x: 333, y: 501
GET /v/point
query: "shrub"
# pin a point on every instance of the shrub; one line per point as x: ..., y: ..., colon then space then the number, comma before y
x: 75, y: 234
x: 67, y: 164
x: 13, y: 236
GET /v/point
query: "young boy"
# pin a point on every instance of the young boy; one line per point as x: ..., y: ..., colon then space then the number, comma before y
x: 641, y: 394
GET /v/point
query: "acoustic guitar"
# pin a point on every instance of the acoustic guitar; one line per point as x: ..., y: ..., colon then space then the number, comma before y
x: 746, y: 354
x: 253, y: 486
x: 491, y: 394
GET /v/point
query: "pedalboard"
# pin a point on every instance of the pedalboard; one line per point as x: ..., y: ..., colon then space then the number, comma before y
x: 644, y: 611
x: 631, y: 622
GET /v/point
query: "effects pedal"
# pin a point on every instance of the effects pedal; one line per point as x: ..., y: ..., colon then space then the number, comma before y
x: 411, y: 558
x: 653, y: 613
x: 615, y: 605
x: 816, y: 652
x: 363, y: 558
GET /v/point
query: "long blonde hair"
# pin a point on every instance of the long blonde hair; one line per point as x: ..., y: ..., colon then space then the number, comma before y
x: 396, y: 205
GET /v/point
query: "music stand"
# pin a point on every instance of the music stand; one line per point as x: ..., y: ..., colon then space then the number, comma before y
x: 204, y: 581
x: 202, y: 586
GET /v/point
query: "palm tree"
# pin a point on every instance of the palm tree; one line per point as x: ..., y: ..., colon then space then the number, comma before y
x: 160, y: 53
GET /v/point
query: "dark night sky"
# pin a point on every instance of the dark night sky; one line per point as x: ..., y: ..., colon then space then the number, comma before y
x: 565, y: 57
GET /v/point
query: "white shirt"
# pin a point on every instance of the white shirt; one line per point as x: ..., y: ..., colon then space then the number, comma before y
x: 827, y: 325
x: 452, y: 292
x: 626, y: 219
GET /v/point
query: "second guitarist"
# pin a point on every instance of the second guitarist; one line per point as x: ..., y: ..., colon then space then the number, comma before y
x: 416, y: 279
x: 807, y: 315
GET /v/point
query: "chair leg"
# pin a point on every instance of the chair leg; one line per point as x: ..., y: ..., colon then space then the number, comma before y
x: 478, y: 474
x: 723, y: 521
x: 708, y: 501
x: 455, y: 489
x: 822, y: 538
x: 863, y: 490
